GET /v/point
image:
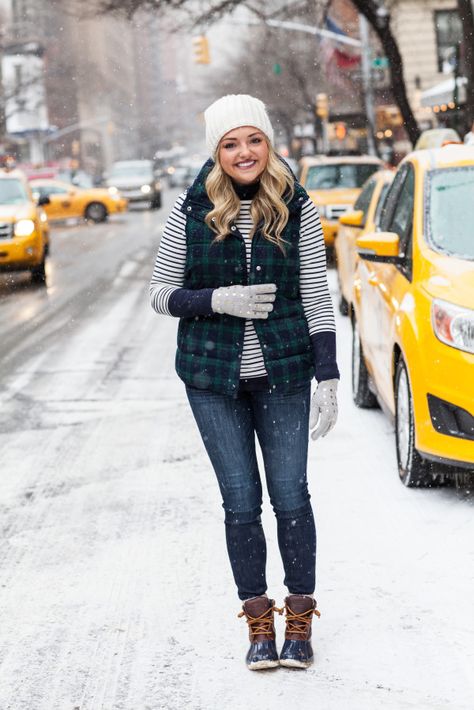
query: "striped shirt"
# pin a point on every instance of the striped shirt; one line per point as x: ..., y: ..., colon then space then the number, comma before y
x: 168, y: 275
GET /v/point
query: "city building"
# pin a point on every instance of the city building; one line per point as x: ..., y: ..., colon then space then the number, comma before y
x: 428, y: 33
x: 101, y: 79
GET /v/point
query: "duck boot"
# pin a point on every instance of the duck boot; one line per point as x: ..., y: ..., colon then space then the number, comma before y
x: 259, y: 614
x: 297, y: 651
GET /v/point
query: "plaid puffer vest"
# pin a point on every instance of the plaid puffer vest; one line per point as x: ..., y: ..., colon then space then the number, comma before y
x: 210, y: 347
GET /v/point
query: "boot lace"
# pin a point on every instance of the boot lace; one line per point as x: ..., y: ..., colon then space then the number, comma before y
x: 299, y: 623
x: 262, y: 624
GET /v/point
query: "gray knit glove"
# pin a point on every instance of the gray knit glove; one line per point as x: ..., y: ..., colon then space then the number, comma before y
x: 323, y: 412
x: 244, y: 301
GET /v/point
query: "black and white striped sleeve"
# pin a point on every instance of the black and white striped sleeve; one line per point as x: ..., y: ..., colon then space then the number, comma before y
x: 315, y: 294
x: 168, y: 297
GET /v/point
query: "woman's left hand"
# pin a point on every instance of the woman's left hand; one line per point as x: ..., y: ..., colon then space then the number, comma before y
x: 323, y: 412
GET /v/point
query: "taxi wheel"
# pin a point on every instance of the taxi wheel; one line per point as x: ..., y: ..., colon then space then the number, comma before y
x: 361, y: 393
x: 156, y: 202
x: 96, y: 212
x: 412, y: 469
x: 38, y: 273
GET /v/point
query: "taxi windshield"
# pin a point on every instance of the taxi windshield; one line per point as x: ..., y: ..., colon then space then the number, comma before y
x: 450, y: 211
x: 339, y: 175
x: 12, y: 192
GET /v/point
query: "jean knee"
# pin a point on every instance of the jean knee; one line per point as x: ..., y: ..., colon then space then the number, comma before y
x: 244, y: 517
x: 294, y: 513
x: 290, y: 498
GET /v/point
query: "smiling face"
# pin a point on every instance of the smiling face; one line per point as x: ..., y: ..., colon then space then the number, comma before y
x: 243, y: 154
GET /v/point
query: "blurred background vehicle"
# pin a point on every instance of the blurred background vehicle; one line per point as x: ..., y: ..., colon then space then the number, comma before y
x: 79, y: 178
x: 192, y: 171
x: 436, y: 137
x: 293, y: 165
x: 137, y: 181
x: 413, y: 315
x: 365, y: 218
x: 177, y: 176
x: 334, y: 184
x: 24, y: 228
x: 66, y: 200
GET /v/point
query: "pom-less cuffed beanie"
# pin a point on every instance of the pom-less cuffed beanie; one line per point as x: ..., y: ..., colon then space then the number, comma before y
x: 233, y: 111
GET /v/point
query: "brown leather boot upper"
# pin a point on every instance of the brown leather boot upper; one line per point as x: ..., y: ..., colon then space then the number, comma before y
x: 259, y: 615
x: 299, y: 615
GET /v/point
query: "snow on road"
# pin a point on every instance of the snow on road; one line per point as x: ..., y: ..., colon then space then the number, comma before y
x: 116, y: 592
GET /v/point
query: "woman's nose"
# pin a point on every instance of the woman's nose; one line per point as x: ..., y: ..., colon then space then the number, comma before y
x: 244, y: 149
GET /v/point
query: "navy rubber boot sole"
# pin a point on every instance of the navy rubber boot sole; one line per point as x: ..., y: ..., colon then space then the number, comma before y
x: 262, y: 655
x: 296, y: 654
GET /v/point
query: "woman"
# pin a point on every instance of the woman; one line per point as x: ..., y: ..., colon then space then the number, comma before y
x: 242, y: 264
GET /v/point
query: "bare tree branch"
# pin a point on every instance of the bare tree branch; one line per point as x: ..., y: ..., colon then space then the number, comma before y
x: 214, y: 10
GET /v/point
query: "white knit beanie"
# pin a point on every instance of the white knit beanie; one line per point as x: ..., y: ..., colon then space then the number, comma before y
x: 233, y: 111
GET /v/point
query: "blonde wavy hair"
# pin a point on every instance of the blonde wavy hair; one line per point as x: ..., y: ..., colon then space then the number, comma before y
x: 268, y: 205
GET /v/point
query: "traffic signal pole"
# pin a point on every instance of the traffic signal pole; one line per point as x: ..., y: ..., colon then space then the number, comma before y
x: 367, y: 84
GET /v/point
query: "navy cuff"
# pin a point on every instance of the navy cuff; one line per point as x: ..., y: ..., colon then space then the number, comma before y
x: 324, y: 352
x: 187, y: 302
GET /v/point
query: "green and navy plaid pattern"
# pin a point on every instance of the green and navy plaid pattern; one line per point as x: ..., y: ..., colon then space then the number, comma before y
x: 210, y: 347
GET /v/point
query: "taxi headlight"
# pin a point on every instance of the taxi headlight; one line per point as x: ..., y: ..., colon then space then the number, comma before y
x: 113, y: 191
x: 145, y: 189
x: 453, y: 325
x: 24, y: 227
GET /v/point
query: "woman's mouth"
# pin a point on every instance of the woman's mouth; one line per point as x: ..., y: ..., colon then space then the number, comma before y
x: 246, y: 164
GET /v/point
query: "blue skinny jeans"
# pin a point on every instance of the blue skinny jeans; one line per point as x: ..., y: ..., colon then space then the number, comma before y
x: 281, y: 423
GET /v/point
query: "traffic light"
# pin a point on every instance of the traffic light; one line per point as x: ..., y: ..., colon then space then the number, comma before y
x: 322, y: 106
x: 201, y: 50
x: 340, y: 131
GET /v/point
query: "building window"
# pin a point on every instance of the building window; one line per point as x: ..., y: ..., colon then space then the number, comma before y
x: 448, y: 36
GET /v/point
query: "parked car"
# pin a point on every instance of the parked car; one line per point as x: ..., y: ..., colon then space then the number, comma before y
x: 436, y: 138
x: 364, y: 219
x: 137, y: 181
x: 24, y: 228
x: 413, y: 317
x: 66, y: 200
x: 334, y: 184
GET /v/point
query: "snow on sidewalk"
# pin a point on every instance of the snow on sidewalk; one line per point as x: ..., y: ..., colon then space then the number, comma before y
x: 116, y: 592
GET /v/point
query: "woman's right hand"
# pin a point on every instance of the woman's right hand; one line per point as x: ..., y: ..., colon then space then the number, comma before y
x: 254, y: 301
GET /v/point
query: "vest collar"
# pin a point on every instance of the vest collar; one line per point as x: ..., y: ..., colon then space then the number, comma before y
x: 198, y: 204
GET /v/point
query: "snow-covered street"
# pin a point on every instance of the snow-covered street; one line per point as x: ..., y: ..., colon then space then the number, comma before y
x: 116, y: 592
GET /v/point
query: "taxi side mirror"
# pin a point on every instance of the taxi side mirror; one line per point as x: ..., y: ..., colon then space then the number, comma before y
x: 43, y: 200
x: 352, y: 219
x: 379, y: 246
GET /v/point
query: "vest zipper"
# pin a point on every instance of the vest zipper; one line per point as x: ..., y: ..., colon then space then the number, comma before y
x: 262, y: 348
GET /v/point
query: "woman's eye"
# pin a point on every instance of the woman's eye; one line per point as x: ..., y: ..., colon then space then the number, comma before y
x: 228, y: 146
x: 256, y: 140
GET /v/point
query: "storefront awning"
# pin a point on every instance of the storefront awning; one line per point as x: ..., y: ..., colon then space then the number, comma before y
x: 443, y: 92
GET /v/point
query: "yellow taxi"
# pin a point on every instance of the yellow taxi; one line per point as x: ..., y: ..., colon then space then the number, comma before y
x: 66, y: 200
x: 24, y: 228
x: 334, y: 184
x: 363, y: 219
x: 413, y: 318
